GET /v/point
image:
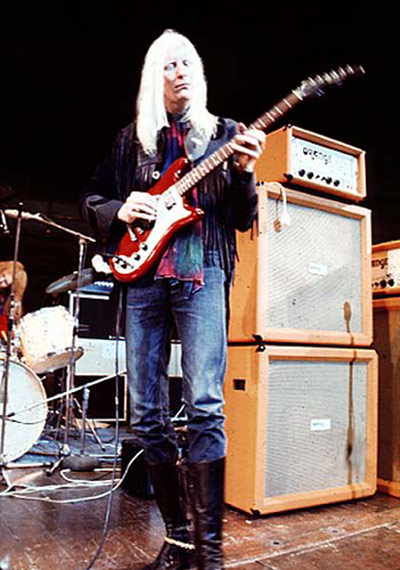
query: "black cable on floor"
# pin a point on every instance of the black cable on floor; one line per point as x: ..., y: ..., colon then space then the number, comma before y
x: 115, y: 459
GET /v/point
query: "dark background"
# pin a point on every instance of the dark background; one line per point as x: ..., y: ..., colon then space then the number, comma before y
x: 69, y: 77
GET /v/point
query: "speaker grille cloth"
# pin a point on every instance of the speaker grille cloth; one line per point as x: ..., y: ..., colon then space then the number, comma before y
x: 316, y: 426
x: 387, y: 345
x: 314, y: 268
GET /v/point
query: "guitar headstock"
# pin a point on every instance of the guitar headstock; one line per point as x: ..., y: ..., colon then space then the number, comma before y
x: 315, y: 85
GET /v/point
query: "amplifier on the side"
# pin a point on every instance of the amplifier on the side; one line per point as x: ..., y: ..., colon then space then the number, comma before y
x: 96, y: 314
x: 386, y: 268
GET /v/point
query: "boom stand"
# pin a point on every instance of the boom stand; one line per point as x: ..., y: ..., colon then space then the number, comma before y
x: 77, y: 462
x: 67, y: 459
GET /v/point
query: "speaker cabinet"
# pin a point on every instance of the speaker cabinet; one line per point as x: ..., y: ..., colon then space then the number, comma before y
x: 304, y: 282
x: 387, y: 345
x: 96, y: 314
x: 315, y: 162
x: 301, y: 425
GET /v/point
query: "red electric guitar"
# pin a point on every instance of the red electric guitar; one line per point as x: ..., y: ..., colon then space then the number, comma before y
x: 144, y: 242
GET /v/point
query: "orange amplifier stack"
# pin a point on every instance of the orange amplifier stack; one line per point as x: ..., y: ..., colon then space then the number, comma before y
x: 386, y: 306
x: 301, y: 384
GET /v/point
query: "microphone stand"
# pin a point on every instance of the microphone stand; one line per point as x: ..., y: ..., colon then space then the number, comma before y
x: 67, y: 459
x: 10, y: 329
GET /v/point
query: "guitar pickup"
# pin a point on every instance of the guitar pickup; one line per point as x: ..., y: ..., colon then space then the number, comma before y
x: 169, y: 200
x: 170, y: 203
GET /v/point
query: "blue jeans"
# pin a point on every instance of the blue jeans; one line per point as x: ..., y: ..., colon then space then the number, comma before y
x: 200, y: 319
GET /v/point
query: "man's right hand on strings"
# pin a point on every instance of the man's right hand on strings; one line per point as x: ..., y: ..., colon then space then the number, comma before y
x: 138, y: 205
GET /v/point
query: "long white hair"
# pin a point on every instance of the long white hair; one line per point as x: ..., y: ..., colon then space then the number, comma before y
x: 150, y: 108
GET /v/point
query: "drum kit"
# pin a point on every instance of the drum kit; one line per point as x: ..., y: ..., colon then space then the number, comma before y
x: 38, y: 343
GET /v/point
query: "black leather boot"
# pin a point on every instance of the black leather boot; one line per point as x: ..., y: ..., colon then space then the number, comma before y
x: 176, y: 552
x: 206, y: 489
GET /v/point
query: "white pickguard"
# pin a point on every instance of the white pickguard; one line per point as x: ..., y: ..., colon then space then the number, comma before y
x: 170, y: 210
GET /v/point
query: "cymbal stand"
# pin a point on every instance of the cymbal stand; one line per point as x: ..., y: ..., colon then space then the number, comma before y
x: 71, y: 367
x: 10, y: 329
x: 70, y: 400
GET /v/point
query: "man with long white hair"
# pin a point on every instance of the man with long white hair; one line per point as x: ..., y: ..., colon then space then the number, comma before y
x: 186, y: 288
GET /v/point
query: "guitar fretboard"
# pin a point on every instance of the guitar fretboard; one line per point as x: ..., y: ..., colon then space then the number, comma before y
x: 209, y: 164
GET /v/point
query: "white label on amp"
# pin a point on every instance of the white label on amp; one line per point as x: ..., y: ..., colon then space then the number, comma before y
x: 320, y: 425
x: 317, y: 269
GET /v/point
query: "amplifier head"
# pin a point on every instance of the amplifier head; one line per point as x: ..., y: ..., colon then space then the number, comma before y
x: 309, y: 160
x: 385, y: 278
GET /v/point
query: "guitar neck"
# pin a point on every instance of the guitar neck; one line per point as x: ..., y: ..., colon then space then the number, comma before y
x: 209, y: 164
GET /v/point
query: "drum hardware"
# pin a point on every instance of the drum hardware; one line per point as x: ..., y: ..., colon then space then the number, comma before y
x: 70, y: 403
x: 70, y: 282
x: 83, y: 462
x: 50, y: 360
x: 61, y: 395
x: 27, y: 415
x: 4, y: 384
x: 84, y: 421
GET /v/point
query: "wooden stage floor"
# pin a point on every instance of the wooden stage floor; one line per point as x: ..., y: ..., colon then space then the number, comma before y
x: 64, y: 530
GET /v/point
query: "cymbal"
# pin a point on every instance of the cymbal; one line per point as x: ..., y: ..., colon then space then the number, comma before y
x: 70, y: 282
x: 5, y: 192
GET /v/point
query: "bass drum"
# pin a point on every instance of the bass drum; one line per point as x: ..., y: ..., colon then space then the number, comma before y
x: 26, y: 409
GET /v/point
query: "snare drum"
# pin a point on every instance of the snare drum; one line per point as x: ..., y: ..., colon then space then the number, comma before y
x: 26, y: 409
x: 46, y: 339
